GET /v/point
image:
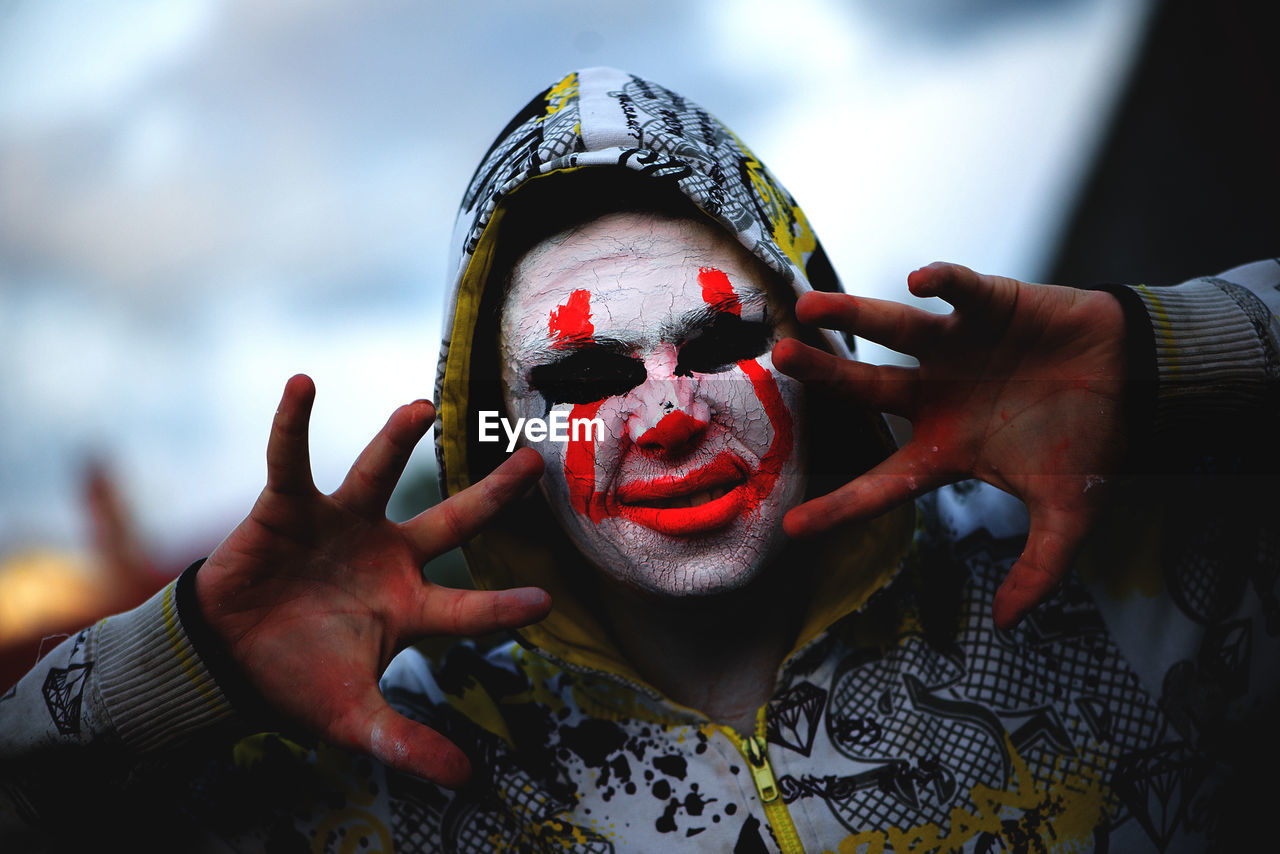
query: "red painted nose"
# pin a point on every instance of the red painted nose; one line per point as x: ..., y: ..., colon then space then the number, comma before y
x: 676, y: 431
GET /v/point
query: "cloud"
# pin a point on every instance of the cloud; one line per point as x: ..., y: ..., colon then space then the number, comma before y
x: 60, y: 59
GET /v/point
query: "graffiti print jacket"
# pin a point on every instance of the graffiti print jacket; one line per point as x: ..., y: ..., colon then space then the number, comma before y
x: 1129, y: 712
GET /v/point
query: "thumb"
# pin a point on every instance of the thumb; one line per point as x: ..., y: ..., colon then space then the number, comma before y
x: 1052, y: 542
x: 405, y: 745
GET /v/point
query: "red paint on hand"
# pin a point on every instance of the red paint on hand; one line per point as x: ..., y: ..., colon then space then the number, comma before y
x: 570, y: 322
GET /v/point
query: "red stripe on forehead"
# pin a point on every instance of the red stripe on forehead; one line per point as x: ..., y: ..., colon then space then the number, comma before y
x: 717, y: 291
x: 571, y: 320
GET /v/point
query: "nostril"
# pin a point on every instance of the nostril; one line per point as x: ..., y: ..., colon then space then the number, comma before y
x: 676, y: 430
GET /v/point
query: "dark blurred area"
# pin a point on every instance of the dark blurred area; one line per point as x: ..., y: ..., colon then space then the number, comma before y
x: 1187, y: 180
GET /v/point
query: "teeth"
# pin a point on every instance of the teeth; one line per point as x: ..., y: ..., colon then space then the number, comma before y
x: 693, y: 499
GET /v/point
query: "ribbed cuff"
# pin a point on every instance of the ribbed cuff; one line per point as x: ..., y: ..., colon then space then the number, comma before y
x: 1140, y: 362
x: 156, y: 690
x: 1210, y: 360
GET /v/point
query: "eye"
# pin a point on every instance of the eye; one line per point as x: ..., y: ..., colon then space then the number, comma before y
x: 720, y: 346
x: 587, y: 376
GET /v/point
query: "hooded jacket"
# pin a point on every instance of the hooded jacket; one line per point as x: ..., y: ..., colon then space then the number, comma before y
x: 603, y: 120
x: 1116, y: 715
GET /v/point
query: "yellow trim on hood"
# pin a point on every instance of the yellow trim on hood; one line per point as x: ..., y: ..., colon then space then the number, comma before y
x: 513, y: 555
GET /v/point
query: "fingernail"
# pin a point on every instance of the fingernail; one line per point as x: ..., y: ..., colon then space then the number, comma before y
x: 428, y: 403
x: 529, y: 595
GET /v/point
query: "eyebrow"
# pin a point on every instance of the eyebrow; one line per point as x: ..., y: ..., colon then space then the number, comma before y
x: 703, y: 318
x: 564, y: 348
x: 682, y: 328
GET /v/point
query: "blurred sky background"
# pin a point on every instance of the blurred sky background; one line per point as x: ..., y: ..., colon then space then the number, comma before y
x: 200, y: 198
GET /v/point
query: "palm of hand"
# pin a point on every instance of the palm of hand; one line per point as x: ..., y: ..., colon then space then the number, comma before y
x: 313, y: 594
x: 1020, y: 386
x: 1044, y: 373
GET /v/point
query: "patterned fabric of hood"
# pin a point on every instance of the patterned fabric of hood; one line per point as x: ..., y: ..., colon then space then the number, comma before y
x: 594, y: 118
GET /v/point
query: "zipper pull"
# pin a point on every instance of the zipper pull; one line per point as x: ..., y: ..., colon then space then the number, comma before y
x: 761, y: 772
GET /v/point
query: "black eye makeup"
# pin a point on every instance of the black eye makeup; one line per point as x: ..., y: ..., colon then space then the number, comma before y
x: 587, y: 375
x: 724, y: 342
x: 595, y: 371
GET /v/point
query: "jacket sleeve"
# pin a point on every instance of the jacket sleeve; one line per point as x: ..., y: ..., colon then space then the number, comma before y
x: 116, y: 693
x: 1206, y: 353
x: 1184, y: 564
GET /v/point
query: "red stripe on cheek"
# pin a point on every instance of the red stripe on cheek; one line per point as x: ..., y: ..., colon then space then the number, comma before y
x: 580, y: 466
x: 717, y: 291
x: 571, y: 320
x: 779, y: 452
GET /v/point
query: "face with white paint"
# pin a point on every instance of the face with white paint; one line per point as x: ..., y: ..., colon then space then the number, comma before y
x: 662, y: 329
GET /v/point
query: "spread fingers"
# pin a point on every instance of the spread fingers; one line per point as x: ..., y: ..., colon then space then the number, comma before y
x: 368, y: 485
x: 884, y: 388
x: 454, y: 521
x: 891, y: 324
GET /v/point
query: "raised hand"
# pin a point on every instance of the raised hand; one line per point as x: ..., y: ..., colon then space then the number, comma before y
x: 1020, y: 386
x: 313, y: 594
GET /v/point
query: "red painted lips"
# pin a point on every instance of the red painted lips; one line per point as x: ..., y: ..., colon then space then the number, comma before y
x: 705, y: 499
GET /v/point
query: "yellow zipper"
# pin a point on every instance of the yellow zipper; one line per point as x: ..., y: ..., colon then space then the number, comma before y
x: 754, y: 750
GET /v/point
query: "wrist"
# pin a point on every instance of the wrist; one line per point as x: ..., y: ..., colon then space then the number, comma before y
x: 1138, y: 373
x: 212, y: 649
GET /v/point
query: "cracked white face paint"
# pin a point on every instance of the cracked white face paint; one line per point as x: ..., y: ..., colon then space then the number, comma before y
x: 662, y: 329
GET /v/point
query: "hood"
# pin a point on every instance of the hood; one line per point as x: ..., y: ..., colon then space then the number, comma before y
x: 607, y: 120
